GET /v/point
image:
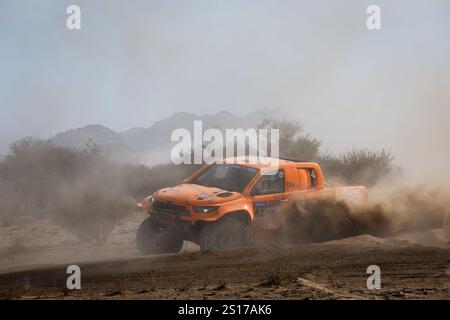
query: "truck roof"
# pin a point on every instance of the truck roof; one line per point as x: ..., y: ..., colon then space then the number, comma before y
x: 259, y: 162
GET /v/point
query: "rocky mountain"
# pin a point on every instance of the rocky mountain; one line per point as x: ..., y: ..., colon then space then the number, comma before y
x: 80, y: 137
x: 151, y: 145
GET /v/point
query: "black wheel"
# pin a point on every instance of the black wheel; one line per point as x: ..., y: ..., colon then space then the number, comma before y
x: 225, y: 233
x: 153, y: 238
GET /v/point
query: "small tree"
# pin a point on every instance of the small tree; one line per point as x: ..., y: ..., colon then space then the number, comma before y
x: 293, y: 142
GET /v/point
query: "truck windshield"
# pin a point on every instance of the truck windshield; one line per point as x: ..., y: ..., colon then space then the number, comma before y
x: 230, y: 177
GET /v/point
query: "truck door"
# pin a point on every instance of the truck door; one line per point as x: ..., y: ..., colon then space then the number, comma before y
x: 268, y: 194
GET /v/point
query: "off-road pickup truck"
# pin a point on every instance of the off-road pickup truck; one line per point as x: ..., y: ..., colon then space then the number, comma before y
x: 221, y: 204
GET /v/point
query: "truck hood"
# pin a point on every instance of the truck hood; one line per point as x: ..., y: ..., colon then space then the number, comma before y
x: 196, y: 194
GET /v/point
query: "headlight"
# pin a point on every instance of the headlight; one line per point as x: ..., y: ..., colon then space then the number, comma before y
x: 205, y: 209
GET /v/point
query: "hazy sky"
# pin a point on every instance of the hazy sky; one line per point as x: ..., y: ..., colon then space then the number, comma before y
x: 134, y: 62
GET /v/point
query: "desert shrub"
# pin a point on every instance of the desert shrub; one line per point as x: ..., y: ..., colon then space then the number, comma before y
x: 91, y: 213
x: 83, y: 190
x: 357, y: 166
x: 31, y: 171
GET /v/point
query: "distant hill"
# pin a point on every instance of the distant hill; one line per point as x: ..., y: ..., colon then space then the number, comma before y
x: 78, y: 138
x: 150, y: 145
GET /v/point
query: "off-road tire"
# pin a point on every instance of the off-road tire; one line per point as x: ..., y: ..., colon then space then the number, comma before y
x: 153, y: 238
x: 225, y: 233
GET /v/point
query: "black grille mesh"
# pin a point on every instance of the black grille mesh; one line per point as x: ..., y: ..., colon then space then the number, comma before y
x: 170, y: 207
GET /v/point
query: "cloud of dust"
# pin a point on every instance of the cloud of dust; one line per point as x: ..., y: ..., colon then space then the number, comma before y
x: 404, y: 210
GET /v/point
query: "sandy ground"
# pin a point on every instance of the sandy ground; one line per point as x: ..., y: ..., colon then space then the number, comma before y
x: 37, y: 243
x: 35, y: 255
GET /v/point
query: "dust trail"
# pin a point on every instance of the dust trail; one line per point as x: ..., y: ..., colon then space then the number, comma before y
x: 404, y: 210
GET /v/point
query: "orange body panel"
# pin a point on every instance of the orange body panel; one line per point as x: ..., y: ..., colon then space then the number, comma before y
x: 300, y: 178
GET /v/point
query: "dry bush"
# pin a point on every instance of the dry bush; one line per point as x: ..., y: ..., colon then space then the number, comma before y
x: 82, y: 190
x: 91, y: 213
x: 358, y: 166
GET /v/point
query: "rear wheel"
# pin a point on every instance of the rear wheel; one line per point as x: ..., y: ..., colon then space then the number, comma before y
x: 153, y: 238
x: 225, y: 233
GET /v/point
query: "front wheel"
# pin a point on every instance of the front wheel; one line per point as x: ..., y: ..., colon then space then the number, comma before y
x: 153, y: 238
x: 225, y: 233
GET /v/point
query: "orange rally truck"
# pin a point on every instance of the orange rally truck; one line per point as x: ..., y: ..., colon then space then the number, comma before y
x: 223, y: 204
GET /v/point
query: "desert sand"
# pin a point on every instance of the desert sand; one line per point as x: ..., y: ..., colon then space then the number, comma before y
x: 35, y: 255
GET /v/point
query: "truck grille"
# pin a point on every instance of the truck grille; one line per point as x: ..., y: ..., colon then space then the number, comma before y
x: 170, y: 208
